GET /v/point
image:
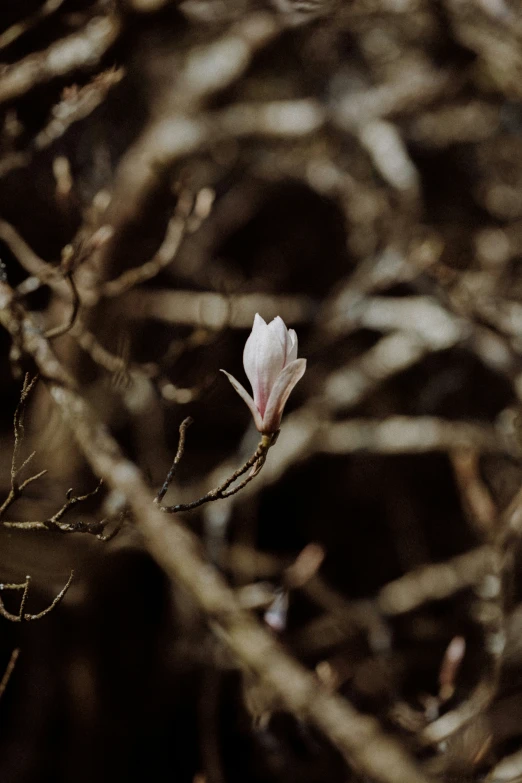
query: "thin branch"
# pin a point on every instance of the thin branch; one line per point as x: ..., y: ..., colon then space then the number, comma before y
x: 54, y: 603
x: 79, y: 50
x: 95, y: 528
x: 393, y: 354
x: 23, y: 616
x: 9, y: 670
x: 31, y: 262
x: 76, y: 104
x: 436, y: 582
x: 508, y: 770
x: 70, y: 502
x: 166, y: 253
x: 214, y: 310
x: 411, y: 435
x: 54, y: 522
x: 17, y: 488
x: 225, y: 490
x: 14, y: 32
x: 58, y: 331
x: 185, y: 424
x: 173, y: 137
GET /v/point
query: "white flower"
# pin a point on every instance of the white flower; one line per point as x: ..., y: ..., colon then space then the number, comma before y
x: 273, y: 369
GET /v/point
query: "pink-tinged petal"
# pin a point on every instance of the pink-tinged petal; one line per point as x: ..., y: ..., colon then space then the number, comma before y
x: 258, y: 421
x: 263, y: 359
x: 285, y: 382
x: 291, y: 348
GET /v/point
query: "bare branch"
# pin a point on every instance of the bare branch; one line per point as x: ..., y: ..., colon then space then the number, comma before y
x: 58, y: 331
x: 23, y: 616
x: 176, y: 229
x: 436, y: 582
x: 79, y: 50
x: 9, y: 670
x: 225, y: 489
x: 16, y: 30
x: 411, y: 435
x: 32, y: 263
x: 76, y: 104
x: 17, y: 488
x: 185, y: 424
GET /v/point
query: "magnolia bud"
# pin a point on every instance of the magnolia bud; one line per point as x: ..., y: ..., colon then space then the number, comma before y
x: 273, y: 369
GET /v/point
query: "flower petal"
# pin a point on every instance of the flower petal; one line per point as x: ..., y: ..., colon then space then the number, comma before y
x: 291, y: 347
x: 247, y: 398
x: 278, y: 329
x: 250, y: 352
x: 285, y: 382
x: 263, y: 359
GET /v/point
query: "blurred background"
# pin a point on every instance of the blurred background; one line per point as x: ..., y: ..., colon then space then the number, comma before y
x: 356, y: 168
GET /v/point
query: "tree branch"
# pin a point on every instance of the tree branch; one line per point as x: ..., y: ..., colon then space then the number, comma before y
x: 177, y: 550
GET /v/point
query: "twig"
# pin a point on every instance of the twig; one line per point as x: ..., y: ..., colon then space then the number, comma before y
x: 70, y: 502
x: 111, y: 362
x: 224, y: 490
x: 213, y: 310
x: 54, y: 522
x: 9, y: 670
x: 185, y: 424
x: 79, y: 50
x: 393, y: 354
x: 23, y: 616
x: 76, y: 104
x: 436, y: 582
x: 476, y: 499
x: 410, y: 435
x: 507, y: 770
x: 17, y: 488
x: 32, y: 263
x: 174, y: 137
x: 166, y: 253
x: 14, y: 32
x: 58, y: 331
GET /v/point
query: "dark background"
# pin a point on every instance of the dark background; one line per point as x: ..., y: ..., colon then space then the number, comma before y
x: 408, y: 191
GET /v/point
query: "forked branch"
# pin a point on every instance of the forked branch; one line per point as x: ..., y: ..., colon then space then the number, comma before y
x: 224, y: 490
x: 22, y: 615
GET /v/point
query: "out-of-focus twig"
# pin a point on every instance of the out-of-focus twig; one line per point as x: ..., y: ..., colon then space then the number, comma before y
x: 176, y: 229
x: 507, y: 770
x: 213, y: 310
x: 178, y: 136
x: 14, y: 32
x: 476, y: 498
x: 410, y: 434
x: 31, y: 262
x: 76, y: 104
x: 79, y: 50
x: 436, y: 582
x: 58, y: 331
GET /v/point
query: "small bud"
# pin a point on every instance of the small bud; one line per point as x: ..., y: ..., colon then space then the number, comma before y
x: 273, y: 369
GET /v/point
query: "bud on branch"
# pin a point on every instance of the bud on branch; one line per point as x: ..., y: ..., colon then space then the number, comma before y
x: 273, y: 369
